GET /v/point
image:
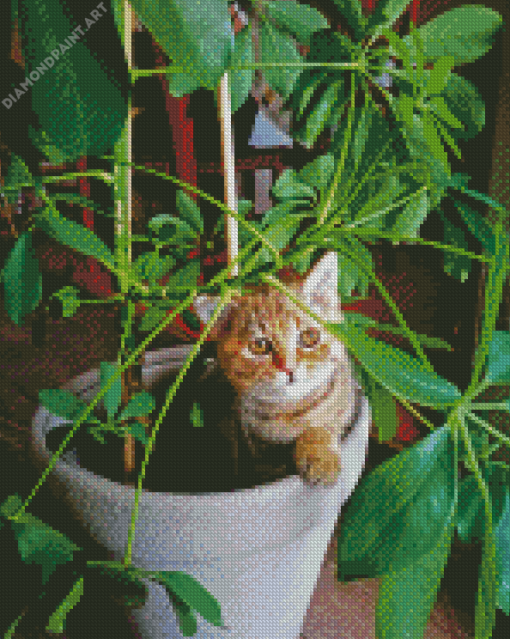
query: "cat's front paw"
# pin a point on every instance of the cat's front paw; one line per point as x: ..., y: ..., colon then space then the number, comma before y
x: 316, y: 462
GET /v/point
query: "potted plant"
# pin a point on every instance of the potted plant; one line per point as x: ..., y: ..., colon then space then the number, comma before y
x: 380, y: 180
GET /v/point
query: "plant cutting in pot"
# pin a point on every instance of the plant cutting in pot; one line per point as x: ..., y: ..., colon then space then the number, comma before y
x: 381, y: 179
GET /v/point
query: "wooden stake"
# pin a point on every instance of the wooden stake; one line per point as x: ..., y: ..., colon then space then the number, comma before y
x: 228, y: 159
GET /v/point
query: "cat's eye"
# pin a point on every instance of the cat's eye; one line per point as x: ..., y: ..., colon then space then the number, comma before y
x: 310, y: 338
x: 260, y: 346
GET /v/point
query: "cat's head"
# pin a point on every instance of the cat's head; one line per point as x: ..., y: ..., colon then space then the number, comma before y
x: 267, y: 345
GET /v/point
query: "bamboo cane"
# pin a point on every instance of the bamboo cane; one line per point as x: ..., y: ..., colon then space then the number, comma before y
x: 228, y: 160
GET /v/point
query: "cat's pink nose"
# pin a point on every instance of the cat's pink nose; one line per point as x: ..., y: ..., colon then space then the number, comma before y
x: 280, y: 365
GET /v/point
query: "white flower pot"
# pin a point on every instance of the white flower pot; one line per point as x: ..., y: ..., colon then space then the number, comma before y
x: 258, y: 551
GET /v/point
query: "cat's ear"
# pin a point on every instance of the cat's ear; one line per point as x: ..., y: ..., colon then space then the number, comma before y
x: 320, y: 289
x: 204, y: 306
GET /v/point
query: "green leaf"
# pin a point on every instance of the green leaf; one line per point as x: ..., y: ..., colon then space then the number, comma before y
x: 385, y: 15
x: 409, y: 221
x: 502, y: 534
x: 134, y: 591
x: 76, y: 88
x: 17, y: 177
x: 448, y: 138
x: 300, y: 20
x: 185, y: 279
x: 197, y: 415
x: 477, y: 225
x: 171, y: 229
x: 142, y: 403
x: 466, y: 104
x: 152, y: 267
x: 62, y: 403
x: 486, y: 597
x: 384, y: 411
x: 57, y: 620
x: 319, y: 115
x: 189, y: 211
x: 241, y: 81
x: 195, y: 34
x: 439, y: 106
x: 466, y: 33
x: 318, y: 173
x: 498, y: 366
x: 405, y: 378
x: 275, y: 46
x: 41, y: 544
x: 458, y: 266
x: 290, y: 186
x: 74, y: 235
x: 138, y: 431
x: 414, y: 507
x: 438, y: 76
x: 192, y: 593
x: 351, y: 11
x: 434, y: 141
x: 417, y: 583
x: 156, y: 312
x: 113, y: 395
x: 185, y: 616
x: 22, y: 280
x: 180, y: 84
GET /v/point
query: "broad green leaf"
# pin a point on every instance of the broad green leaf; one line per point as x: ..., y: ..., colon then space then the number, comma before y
x: 152, y: 267
x: 276, y: 46
x: 318, y: 172
x: 140, y: 404
x: 138, y: 431
x: 289, y: 185
x: 62, y: 403
x: 405, y: 378
x: 22, y: 280
x: 407, y: 596
x: 466, y: 104
x: 57, y: 620
x: 155, y: 314
x: 241, y: 81
x: 458, y: 266
x: 74, y: 235
x: 466, y: 33
x: 316, y: 81
x: 17, y: 176
x: 470, y: 519
x: 170, y: 228
x: 498, y: 366
x: 185, y: 616
x: 189, y: 211
x: 113, y: 395
x: 438, y: 76
x: 191, y: 592
x: 415, y: 492
x: 180, y: 84
x: 299, y: 19
x: 304, y: 88
x: 279, y: 235
x: 186, y: 278
x: 197, y: 415
x: 351, y: 11
x: 415, y: 211
x: 76, y: 87
x: 502, y: 534
x: 384, y: 411
x: 477, y: 225
x: 385, y: 15
x: 37, y: 542
x: 195, y: 34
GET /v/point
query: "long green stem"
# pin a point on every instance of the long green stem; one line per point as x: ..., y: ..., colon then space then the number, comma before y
x: 224, y: 299
x: 481, y: 422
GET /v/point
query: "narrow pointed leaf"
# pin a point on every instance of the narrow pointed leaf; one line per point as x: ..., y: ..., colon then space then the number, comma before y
x: 22, y: 280
x: 57, y: 620
x: 498, y: 367
x: 191, y: 591
x: 113, y: 395
x: 502, y: 533
x: 277, y: 47
x: 351, y: 10
x: 189, y: 211
x: 241, y: 81
x: 298, y: 19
